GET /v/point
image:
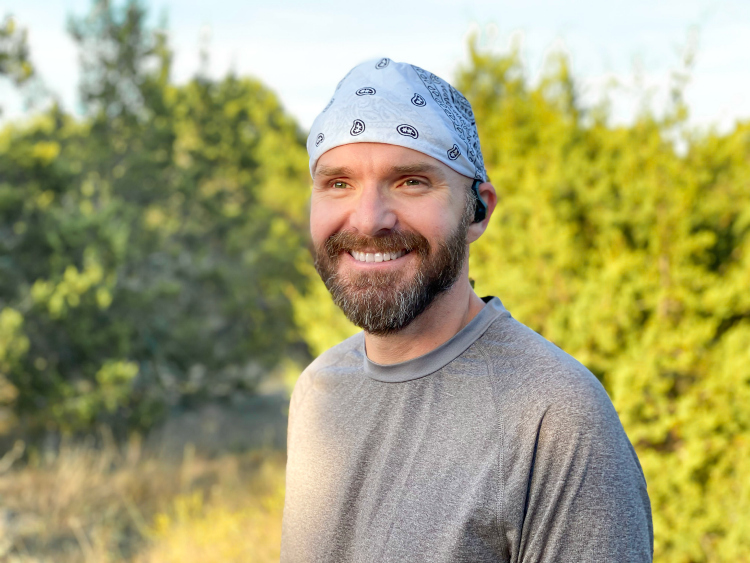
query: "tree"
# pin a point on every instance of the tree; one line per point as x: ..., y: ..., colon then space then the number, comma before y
x: 150, y: 246
x: 14, y: 53
x: 634, y: 259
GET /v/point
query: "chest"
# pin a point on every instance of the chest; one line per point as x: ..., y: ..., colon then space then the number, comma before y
x: 395, y: 473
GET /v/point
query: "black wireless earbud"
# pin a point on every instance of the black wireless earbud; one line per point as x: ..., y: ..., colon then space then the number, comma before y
x: 480, y: 211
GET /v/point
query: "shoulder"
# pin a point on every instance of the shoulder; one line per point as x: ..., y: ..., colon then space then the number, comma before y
x: 550, y: 401
x: 568, y: 463
x: 344, y: 354
x: 527, y: 366
x: 547, y: 396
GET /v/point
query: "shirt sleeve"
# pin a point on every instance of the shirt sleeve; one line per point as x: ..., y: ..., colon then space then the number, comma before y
x: 586, y: 498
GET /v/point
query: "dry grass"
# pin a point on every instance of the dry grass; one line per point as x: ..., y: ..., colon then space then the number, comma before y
x: 225, y: 529
x: 109, y: 505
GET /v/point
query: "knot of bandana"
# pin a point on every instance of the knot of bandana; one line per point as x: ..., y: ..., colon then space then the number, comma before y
x: 382, y: 101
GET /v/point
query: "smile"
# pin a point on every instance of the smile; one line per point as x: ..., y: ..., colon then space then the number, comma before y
x: 376, y: 256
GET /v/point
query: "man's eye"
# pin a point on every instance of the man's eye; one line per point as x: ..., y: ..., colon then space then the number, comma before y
x: 412, y: 182
x: 339, y: 185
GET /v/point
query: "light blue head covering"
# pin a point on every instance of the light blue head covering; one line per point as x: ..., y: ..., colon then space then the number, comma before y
x: 382, y: 101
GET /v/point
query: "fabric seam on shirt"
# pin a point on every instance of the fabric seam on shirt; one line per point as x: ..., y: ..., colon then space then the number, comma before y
x: 501, y: 455
x: 370, y: 365
x: 314, y: 375
x: 524, y: 532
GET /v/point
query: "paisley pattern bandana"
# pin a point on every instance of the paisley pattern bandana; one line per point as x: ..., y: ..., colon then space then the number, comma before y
x: 382, y: 101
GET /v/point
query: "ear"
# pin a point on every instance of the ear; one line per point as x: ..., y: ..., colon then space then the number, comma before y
x: 488, y: 194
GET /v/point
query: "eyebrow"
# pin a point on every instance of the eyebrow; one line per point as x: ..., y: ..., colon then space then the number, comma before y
x: 418, y: 168
x: 329, y: 171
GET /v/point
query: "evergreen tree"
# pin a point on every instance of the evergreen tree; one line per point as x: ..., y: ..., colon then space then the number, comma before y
x: 148, y: 248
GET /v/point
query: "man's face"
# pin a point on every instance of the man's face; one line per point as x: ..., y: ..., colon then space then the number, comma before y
x: 389, y: 230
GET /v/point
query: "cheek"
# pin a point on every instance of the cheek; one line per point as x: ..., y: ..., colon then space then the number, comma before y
x: 433, y: 223
x: 324, y: 221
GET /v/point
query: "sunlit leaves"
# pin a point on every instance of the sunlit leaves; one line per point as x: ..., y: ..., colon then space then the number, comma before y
x: 160, y: 232
x: 632, y: 257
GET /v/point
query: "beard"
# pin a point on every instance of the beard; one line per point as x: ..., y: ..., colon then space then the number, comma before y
x: 383, y: 303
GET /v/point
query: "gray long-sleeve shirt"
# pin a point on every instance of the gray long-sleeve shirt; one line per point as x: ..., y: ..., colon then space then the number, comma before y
x: 496, y: 446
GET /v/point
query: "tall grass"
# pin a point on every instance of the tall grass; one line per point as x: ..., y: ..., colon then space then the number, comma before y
x: 109, y: 504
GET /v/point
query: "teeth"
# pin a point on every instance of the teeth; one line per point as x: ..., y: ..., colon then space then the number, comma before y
x: 375, y: 256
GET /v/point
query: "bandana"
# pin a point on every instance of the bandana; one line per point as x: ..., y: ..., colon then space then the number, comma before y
x: 382, y: 101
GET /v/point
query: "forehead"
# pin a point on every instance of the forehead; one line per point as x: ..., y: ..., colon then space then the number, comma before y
x: 380, y: 159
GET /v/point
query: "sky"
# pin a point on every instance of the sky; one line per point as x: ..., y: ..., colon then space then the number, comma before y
x: 301, y: 49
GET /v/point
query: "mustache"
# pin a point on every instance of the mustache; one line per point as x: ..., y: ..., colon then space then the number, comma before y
x: 346, y: 241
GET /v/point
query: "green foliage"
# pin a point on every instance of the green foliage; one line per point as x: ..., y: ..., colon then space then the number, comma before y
x: 150, y: 247
x: 13, y: 346
x: 636, y: 260
x: 14, y: 52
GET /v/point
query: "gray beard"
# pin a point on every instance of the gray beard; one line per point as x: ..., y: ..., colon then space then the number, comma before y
x: 383, y: 303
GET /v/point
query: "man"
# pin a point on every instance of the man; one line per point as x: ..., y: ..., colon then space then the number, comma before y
x: 447, y: 431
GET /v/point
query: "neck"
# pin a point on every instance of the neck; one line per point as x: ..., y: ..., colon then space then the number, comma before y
x: 443, y: 319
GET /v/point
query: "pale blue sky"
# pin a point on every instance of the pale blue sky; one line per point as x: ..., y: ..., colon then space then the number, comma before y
x: 302, y: 49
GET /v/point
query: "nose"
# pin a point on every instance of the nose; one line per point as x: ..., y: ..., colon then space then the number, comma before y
x: 373, y: 212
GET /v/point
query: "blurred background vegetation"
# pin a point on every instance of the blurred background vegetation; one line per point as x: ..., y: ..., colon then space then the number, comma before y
x: 157, y: 298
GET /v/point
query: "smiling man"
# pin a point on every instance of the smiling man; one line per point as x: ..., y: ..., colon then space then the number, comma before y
x: 446, y: 431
